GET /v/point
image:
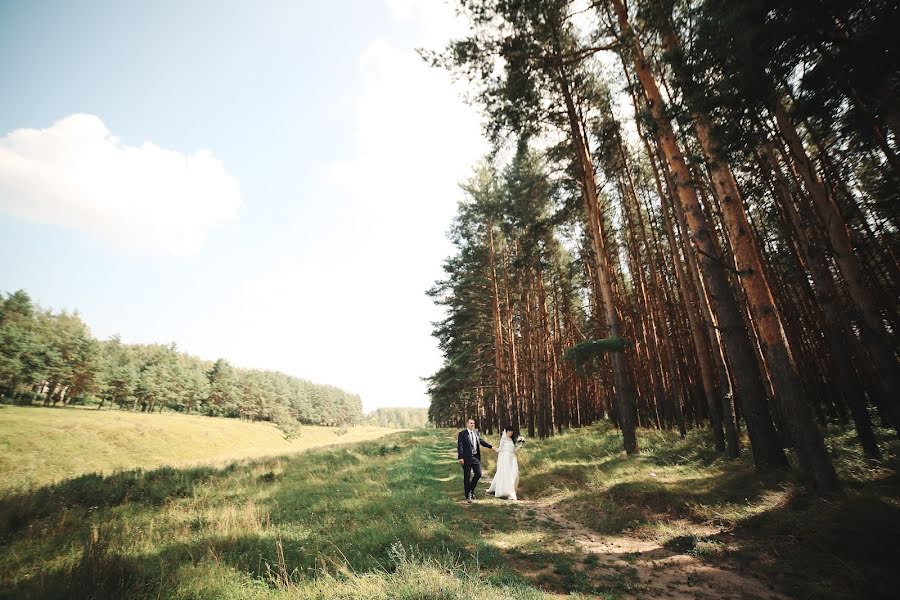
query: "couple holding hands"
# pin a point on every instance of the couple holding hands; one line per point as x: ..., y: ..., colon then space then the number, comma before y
x: 468, y: 454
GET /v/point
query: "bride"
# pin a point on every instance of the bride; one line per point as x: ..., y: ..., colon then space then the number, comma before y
x: 506, y: 479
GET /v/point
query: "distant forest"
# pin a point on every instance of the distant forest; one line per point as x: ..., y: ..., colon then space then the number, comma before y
x: 52, y: 358
x: 401, y: 418
x: 689, y: 219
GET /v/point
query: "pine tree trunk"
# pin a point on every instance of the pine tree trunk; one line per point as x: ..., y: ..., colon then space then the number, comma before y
x: 514, y: 391
x: 810, y: 444
x: 716, y: 337
x: 653, y: 303
x: 875, y: 336
x: 545, y: 355
x: 502, y: 407
x: 624, y: 390
x: 709, y: 372
x: 655, y: 355
x: 766, y: 447
x: 839, y: 359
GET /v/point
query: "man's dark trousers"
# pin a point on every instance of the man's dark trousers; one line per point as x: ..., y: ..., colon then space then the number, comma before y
x: 468, y: 450
x: 471, y: 469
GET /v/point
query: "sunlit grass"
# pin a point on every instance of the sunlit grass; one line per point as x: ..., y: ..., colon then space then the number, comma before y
x: 45, y: 445
x: 523, y: 541
x: 382, y: 519
x: 691, y: 500
x: 366, y: 520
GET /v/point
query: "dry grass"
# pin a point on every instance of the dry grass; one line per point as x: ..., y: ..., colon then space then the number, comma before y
x: 682, y: 495
x: 383, y: 519
x: 367, y: 520
x: 39, y: 446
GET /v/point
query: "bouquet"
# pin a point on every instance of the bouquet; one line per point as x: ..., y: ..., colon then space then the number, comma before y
x: 520, y: 440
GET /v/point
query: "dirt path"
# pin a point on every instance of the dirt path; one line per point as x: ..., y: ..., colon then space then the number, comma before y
x: 656, y: 571
x: 562, y: 556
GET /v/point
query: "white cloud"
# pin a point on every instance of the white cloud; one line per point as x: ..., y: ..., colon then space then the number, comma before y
x: 362, y: 320
x: 434, y: 20
x: 146, y: 198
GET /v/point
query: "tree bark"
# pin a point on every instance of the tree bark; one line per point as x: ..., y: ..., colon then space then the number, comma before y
x: 499, y: 373
x: 875, y: 335
x: 826, y: 292
x: 624, y: 390
x: 767, y: 451
x: 713, y: 374
x: 776, y: 351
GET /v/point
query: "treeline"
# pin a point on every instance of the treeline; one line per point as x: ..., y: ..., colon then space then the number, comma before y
x: 51, y: 357
x: 401, y: 418
x: 690, y: 220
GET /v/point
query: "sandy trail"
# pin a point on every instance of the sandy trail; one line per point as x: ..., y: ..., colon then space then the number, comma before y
x: 660, y: 573
x: 650, y: 570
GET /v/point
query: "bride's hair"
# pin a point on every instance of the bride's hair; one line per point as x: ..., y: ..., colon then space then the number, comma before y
x: 510, y: 429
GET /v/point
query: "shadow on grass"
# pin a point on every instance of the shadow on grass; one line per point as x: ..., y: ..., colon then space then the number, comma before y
x: 811, y: 547
x: 328, y: 512
x: 342, y: 511
x: 197, y: 572
x: 818, y: 548
x: 92, y: 491
x: 692, y: 497
x: 808, y: 547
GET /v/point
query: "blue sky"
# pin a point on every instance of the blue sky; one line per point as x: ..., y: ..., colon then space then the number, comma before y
x: 264, y: 181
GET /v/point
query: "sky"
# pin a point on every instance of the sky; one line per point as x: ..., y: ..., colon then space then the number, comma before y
x: 270, y: 182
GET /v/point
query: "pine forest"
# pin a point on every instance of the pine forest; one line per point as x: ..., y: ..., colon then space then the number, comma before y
x: 689, y: 220
x: 51, y: 358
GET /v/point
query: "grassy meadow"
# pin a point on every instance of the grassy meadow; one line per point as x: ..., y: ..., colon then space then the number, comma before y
x: 384, y: 519
x: 41, y: 445
x: 369, y: 520
x: 681, y: 494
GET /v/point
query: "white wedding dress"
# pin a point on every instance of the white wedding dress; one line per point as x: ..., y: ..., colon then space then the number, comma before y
x: 506, y: 479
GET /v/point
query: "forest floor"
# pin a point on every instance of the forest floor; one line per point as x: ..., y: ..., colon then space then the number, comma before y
x: 559, y: 554
x: 384, y: 519
x: 677, y: 521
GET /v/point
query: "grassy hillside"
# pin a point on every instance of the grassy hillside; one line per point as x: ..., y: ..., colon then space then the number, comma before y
x: 680, y: 499
x: 374, y: 520
x: 383, y: 519
x: 44, y: 445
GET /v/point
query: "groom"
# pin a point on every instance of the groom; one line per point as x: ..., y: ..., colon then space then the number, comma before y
x: 468, y: 454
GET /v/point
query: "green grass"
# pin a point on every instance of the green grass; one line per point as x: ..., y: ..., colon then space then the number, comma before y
x: 41, y: 445
x: 676, y: 491
x: 382, y: 519
x: 373, y: 520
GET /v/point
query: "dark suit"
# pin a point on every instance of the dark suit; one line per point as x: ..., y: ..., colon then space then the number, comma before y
x: 470, y: 454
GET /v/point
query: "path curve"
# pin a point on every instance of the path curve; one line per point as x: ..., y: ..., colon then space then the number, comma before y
x: 657, y: 572
x: 661, y: 573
